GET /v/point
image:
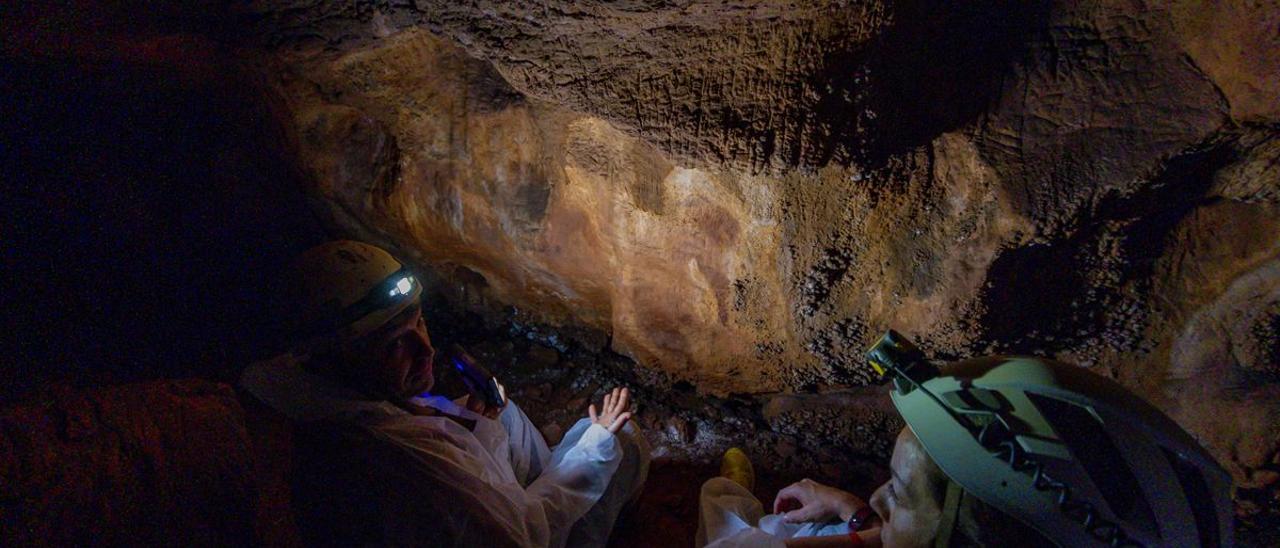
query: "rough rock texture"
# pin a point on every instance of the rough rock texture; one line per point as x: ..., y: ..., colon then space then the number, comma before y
x: 152, y: 464
x: 741, y: 195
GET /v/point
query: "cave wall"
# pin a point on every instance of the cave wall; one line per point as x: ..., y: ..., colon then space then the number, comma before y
x: 736, y: 197
x: 742, y: 195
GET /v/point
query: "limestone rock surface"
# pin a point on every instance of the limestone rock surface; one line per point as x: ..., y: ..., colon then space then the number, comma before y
x: 741, y: 195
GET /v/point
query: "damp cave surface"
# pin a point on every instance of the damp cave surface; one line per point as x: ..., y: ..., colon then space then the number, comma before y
x: 717, y: 204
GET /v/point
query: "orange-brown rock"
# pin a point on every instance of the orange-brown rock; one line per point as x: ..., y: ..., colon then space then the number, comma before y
x: 160, y: 463
x: 742, y: 194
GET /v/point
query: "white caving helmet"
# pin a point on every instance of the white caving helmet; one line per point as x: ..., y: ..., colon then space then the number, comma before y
x: 343, y: 289
x: 1069, y: 453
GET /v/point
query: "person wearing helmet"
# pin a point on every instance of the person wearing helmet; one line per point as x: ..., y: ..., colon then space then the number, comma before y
x: 997, y: 451
x: 380, y: 460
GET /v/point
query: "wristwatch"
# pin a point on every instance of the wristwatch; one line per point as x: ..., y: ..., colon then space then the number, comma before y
x: 858, y: 521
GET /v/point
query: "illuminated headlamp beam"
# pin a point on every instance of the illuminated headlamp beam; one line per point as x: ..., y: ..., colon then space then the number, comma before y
x: 402, y: 287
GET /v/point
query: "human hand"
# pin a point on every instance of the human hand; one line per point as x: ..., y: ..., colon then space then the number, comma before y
x: 477, y: 405
x: 613, y: 413
x: 808, y: 500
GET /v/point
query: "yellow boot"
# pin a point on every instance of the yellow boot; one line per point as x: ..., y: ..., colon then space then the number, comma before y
x: 737, y: 467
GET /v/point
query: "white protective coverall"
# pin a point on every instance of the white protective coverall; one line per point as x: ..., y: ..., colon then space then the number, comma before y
x: 730, y: 516
x: 499, y: 474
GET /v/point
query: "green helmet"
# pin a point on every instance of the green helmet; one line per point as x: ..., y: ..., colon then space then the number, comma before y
x: 1069, y: 453
x: 346, y: 289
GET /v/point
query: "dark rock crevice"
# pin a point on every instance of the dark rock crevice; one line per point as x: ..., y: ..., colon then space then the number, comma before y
x: 1093, y: 284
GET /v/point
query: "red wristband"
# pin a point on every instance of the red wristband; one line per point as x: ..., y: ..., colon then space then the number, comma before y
x: 857, y: 540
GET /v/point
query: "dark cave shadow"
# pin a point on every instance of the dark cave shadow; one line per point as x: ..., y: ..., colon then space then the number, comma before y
x: 937, y: 68
x: 1033, y: 289
x: 148, y: 216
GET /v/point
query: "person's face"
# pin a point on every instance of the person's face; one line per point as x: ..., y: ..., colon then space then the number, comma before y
x: 906, y: 502
x: 395, y: 360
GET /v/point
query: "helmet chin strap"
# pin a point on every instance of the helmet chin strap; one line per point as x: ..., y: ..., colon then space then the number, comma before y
x: 950, y: 513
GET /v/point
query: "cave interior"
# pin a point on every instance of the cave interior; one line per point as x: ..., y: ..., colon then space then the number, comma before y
x: 720, y: 205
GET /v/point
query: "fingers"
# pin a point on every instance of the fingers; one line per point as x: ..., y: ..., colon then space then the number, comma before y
x: 619, y: 422
x: 614, y: 402
x: 613, y: 412
x: 793, y: 497
x: 624, y: 397
x: 786, y: 499
x: 803, y: 513
x: 619, y: 398
x: 796, y: 505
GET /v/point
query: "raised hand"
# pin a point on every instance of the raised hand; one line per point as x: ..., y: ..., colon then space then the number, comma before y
x: 613, y: 413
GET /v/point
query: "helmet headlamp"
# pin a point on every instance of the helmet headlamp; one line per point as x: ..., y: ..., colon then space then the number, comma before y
x: 390, y: 292
x: 893, y: 357
x: 402, y: 286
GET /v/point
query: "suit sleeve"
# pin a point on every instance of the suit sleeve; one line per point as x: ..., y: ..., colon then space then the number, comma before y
x: 438, y: 476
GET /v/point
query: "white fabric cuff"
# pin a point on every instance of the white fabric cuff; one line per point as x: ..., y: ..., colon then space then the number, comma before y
x: 598, y: 443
